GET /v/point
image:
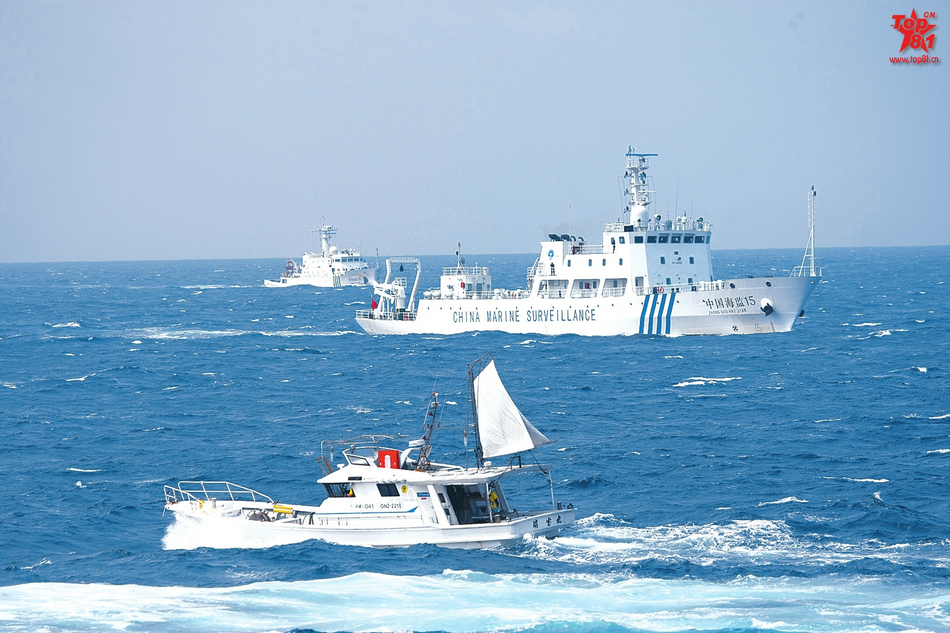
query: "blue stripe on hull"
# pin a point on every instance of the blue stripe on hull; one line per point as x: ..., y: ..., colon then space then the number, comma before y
x: 652, y: 311
x: 659, y: 315
x: 643, y: 312
x: 669, y: 313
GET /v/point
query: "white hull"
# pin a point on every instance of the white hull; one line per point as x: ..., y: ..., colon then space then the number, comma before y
x: 733, y: 309
x: 325, y: 279
x: 397, y: 529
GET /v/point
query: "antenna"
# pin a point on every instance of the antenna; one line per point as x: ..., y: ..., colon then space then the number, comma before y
x: 809, y: 255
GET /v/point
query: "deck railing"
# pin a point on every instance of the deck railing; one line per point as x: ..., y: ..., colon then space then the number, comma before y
x: 208, y: 490
x: 399, y: 315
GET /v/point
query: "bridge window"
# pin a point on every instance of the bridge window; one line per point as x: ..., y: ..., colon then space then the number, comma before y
x: 651, y: 239
x: 687, y: 239
x: 675, y: 239
x: 638, y: 239
x: 700, y: 239
x: 664, y: 239
x: 623, y: 240
x: 388, y: 490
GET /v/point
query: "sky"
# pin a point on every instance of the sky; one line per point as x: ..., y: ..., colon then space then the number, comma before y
x: 218, y: 130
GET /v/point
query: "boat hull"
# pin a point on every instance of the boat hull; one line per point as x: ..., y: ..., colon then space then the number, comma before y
x: 736, y: 307
x: 401, y: 529
x: 358, y: 277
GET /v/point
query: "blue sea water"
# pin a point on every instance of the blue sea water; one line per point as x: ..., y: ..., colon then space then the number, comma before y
x: 787, y: 482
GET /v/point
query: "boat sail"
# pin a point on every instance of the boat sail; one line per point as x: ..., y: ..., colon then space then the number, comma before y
x: 502, y: 428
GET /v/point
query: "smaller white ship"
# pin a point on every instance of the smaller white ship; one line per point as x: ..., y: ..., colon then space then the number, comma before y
x: 389, y: 497
x: 330, y: 268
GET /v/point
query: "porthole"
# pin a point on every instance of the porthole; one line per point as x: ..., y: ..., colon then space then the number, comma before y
x: 768, y: 283
x: 732, y: 285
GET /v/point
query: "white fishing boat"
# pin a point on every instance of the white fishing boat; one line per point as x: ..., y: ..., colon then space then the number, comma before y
x: 648, y: 275
x: 330, y: 268
x: 381, y: 496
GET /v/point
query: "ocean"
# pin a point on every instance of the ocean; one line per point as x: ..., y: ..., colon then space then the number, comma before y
x: 781, y: 482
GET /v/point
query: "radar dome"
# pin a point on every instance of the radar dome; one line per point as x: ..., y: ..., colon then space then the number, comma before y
x: 334, y: 250
x: 638, y: 213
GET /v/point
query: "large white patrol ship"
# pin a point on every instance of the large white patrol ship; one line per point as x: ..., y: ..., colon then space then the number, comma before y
x: 330, y: 268
x: 648, y: 276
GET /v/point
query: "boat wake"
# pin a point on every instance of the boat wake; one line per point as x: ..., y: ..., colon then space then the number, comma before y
x: 606, y: 541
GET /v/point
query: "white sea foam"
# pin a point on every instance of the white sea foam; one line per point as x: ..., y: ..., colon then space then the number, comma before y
x: 482, y: 602
x: 81, y: 379
x: 9, y: 385
x: 865, y: 324
x: 604, y: 540
x: 941, y: 417
x: 84, y: 470
x: 70, y: 324
x: 873, y: 481
x: 700, y: 380
x: 781, y: 501
x: 939, y: 451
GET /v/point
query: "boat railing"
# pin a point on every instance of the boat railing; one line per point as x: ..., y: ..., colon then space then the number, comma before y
x: 398, y: 315
x: 464, y: 270
x: 587, y: 249
x: 613, y: 292
x: 806, y: 271
x: 699, y: 286
x: 583, y: 293
x: 677, y: 224
x: 209, y: 490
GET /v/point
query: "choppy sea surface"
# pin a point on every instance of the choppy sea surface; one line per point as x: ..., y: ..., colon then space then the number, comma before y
x: 786, y: 482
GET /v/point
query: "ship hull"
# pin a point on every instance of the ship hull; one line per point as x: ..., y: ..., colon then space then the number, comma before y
x: 357, y: 277
x: 736, y: 308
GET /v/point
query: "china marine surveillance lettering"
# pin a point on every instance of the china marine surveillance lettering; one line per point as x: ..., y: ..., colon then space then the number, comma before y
x: 648, y: 275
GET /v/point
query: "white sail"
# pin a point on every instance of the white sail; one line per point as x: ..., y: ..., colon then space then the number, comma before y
x: 502, y: 429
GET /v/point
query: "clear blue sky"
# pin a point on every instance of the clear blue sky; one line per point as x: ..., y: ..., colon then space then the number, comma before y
x: 169, y: 130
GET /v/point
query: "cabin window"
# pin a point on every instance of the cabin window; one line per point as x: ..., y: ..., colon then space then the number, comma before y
x: 675, y: 239
x: 664, y: 239
x: 662, y: 260
x: 690, y: 280
x: 638, y: 282
x: 700, y: 239
x: 638, y: 239
x: 388, y: 490
x: 623, y: 240
x: 604, y: 263
x: 590, y: 262
x: 651, y: 239
x: 668, y: 282
x: 687, y: 239
x: 621, y: 261
x: 339, y: 490
x: 568, y: 263
x: 692, y: 261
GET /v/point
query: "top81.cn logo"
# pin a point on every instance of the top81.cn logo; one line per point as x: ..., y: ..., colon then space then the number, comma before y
x: 915, y: 30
